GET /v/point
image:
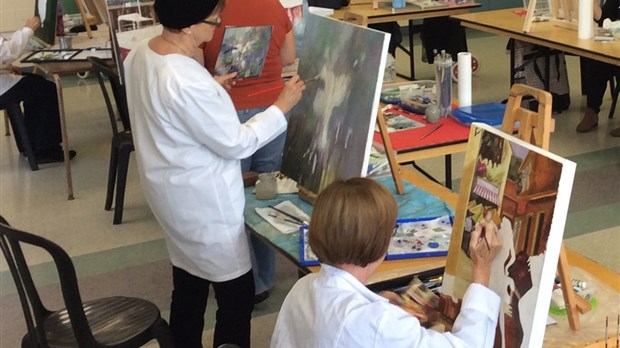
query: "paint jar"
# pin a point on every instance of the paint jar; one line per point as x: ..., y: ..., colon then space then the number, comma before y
x: 266, y: 186
x: 65, y: 42
x: 432, y: 113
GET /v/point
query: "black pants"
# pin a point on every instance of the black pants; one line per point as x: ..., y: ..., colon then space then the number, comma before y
x: 597, y: 75
x: 235, y: 302
x: 40, y: 111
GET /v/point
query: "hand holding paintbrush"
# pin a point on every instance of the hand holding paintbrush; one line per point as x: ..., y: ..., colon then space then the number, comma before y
x: 484, y: 244
x: 291, y: 94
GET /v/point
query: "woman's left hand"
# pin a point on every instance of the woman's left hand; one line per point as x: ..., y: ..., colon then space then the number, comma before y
x: 226, y: 80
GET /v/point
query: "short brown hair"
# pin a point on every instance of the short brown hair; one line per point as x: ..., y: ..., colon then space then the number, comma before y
x: 352, y: 222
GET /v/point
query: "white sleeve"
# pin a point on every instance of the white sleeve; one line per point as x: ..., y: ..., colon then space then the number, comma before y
x: 214, y: 123
x: 11, y: 49
x: 478, y: 317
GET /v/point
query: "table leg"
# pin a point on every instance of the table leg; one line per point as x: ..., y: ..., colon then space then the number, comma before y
x: 7, y: 126
x: 65, y: 138
x: 411, y: 61
x: 448, y: 166
x: 409, y: 52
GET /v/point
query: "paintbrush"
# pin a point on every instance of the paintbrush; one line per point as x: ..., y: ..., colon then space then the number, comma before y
x: 431, y: 132
x: 606, y: 327
x: 274, y: 215
x: 289, y: 215
x: 267, y: 90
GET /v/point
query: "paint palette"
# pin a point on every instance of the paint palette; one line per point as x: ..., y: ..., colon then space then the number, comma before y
x: 413, y: 238
x: 420, y: 238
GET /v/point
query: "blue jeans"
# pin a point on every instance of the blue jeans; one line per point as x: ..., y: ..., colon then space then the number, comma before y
x: 269, y: 157
x: 265, y: 160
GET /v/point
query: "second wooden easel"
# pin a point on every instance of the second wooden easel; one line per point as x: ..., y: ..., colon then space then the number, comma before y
x: 536, y: 128
x: 563, y: 13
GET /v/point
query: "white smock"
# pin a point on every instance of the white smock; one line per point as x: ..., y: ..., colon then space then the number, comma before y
x: 188, y: 143
x: 10, y: 50
x: 333, y: 309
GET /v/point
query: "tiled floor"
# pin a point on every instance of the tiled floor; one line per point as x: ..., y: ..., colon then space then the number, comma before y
x: 131, y: 259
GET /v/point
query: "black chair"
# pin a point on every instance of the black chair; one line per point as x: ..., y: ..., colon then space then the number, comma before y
x: 16, y: 118
x: 106, y: 322
x: 122, y: 141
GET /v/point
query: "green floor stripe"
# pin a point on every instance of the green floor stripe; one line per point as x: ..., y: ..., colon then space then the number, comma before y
x: 591, y: 220
x: 93, y: 264
x: 597, y: 159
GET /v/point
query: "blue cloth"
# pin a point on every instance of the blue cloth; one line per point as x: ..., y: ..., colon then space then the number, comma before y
x: 415, y: 203
x: 269, y: 157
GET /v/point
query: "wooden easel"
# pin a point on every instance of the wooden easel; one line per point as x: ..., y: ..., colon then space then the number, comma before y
x: 563, y: 13
x: 87, y: 17
x: 390, y: 153
x: 536, y: 128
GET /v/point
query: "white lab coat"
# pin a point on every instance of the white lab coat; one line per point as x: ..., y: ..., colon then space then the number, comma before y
x: 333, y: 309
x: 9, y: 51
x: 188, y: 143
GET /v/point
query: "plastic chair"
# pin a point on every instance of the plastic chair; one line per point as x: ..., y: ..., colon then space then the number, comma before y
x: 122, y: 141
x: 106, y: 322
x: 16, y: 118
x: 136, y: 18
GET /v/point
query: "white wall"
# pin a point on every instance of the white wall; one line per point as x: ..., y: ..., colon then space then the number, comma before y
x: 13, y: 14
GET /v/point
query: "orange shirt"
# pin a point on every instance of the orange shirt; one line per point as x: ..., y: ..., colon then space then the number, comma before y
x: 253, y: 13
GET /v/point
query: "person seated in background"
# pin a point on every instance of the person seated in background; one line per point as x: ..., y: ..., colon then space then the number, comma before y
x: 598, y: 73
x: 350, y: 230
x: 38, y: 95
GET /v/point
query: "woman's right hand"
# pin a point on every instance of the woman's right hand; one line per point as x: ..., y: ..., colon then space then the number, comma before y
x: 33, y: 23
x: 484, y: 244
x: 291, y: 94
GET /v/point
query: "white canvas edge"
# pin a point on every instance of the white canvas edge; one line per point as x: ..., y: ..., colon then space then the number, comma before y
x: 556, y: 234
x: 375, y: 103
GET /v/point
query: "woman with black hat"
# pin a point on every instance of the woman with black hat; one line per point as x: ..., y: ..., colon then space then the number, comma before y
x: 188, y: 143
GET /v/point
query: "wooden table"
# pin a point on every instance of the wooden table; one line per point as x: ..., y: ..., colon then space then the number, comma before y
x: 288, y: 244
x: 509, y: 24
x: 364, y: 14
x: 54, y: 71
x: 404, y: 147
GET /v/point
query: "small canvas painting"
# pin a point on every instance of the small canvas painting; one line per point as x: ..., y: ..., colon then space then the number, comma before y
x: 330, y: 130
x: 523, y: 192
x: 243, y: 50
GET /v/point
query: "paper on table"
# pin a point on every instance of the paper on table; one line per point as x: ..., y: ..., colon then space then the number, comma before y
x: 278, y: 221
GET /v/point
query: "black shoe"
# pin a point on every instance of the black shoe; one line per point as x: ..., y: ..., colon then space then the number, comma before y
x: 54, y: 157
x: 258, y: 298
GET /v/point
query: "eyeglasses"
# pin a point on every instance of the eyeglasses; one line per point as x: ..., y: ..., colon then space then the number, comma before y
x: 215, y: 23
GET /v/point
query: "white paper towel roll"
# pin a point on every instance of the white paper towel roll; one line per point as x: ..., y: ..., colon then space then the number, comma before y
x: 464, y: 75
x: 586, y: 17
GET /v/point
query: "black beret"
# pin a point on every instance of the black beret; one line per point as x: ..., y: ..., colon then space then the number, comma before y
x: 179, y: 14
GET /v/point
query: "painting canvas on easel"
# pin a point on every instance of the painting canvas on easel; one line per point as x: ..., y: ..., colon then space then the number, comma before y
x: 330, y: 130
x: 523, y: 191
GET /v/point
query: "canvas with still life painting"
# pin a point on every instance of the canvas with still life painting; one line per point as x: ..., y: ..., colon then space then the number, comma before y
x: 330, y: 130
x: 243, y: 50
x: 523, y: 192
